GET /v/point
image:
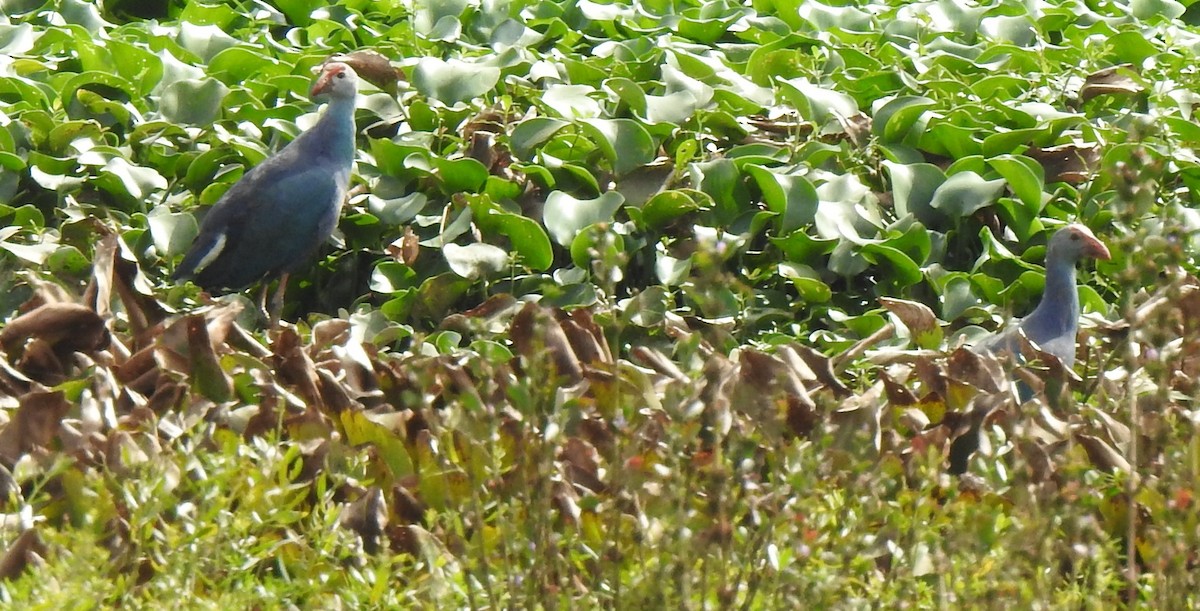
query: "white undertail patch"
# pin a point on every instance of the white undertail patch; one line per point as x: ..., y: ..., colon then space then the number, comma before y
x: 212, y: 254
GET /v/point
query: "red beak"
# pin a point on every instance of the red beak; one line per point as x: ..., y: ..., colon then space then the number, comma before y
x: 325, y: 80
x: 1097, y: 249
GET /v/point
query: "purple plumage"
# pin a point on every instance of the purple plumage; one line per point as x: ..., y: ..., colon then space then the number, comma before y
x: 273, y: 220
x: 1053, y: 325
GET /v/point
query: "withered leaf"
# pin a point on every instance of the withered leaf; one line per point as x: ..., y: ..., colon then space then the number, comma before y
x: 536, y: 334
x: 898, y: 395
x: 26, y: 548
x: 294, y: 366
x: 982, y: 372
x: 1114, y: 80
x: 35, y: 424
x: 1102, y: 455
x: 373, y: 67
x: 822, y: 367
x: 367, y: 516
x: 922, y: 323
x: 1067, y: 163
x: 67, y: 327
x: 207, y: 375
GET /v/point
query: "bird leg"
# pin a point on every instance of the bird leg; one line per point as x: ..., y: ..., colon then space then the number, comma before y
x: 272, y: 307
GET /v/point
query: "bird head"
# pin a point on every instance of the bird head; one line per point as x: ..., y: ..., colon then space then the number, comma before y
x: 336, y: 80
x: 1075, y: 242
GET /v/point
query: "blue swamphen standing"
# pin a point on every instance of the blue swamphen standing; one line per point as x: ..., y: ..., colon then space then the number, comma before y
x: 273, y: 220
x: 1053, y: 324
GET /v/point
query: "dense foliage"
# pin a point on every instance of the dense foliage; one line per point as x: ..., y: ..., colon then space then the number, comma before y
x: 632, y: 304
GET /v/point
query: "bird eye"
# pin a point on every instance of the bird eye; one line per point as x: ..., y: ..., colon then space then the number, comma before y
x: 341, y: 75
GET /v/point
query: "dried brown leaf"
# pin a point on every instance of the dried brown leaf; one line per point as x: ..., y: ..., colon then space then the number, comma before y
x: 26, y: 549
x: 536, y: 335
x: 583, y: 464
x: 367, y: 516
x: 35, y: 424
x: 1067, y: 163
x: 822, y: 367
x: 981, y: 371
x: 67, y: 327
x: 1114, y: 80
x: 294, y: 367
x: 1103, y: 456
x: 206, y: 372
x: 373, y: 67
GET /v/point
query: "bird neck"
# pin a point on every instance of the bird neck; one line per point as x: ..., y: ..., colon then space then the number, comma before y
x: 1059, y: 307
x: 335, y: 129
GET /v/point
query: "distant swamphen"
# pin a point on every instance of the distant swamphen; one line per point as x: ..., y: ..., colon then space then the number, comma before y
x: 1052, y: 326
x: 272, y: 220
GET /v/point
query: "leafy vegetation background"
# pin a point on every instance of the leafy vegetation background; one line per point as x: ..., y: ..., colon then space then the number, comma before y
x: 634, y: 304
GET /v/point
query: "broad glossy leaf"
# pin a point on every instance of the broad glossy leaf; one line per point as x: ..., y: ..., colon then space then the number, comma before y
x: 475, y: 261
x: 527, y: 237
x: 565, y: 216
x: 532, y: 133
x: 453, y: 81
x: 913, y: 189
x: 1025, y: 177
x: 625, y: 143
x: 964, y: 193
x: 791, y: 196
x: 194, y: 102
x: 818, y: 104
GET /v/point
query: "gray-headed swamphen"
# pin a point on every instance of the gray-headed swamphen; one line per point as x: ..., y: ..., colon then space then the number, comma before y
x: 274, y: 219
x: 1053, y: 324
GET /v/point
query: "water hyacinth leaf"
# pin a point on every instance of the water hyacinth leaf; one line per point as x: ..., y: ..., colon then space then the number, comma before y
x: 572, y: 101
x: 816, y: 103
x: 390, y: 277
x: 460, y: 175
x: 597, y: 243
x: 625, y: 143
x: 902, y: 271
x: 453, y: 81
x: 475, y: 261
x: 806, y: 281
x: 172, y: 232
x: 791, y: 196
x: 526, y: 236
x: 565, y: 216
x: 193, y: 102
x: 896, y: 119
x: 532, y: 133
x: 966, y: 192
x: 397, y: 211
x: 667, y: 206
x: 1025, y: 177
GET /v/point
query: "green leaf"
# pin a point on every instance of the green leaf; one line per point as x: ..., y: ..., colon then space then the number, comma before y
x: 893, y: 122
x: 453, y: 81
x: 818, y: 104
x: 1025, y: 177
x: 193, y: 102
x: 565, y: 216
x: 791, y: 196
x: 964, y: 193
x: 475, y: 261
x: 625, y: 143
x: 527, y: 237
x: 666, y: 206
x: 533, y: 132
x: 173, y: 232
